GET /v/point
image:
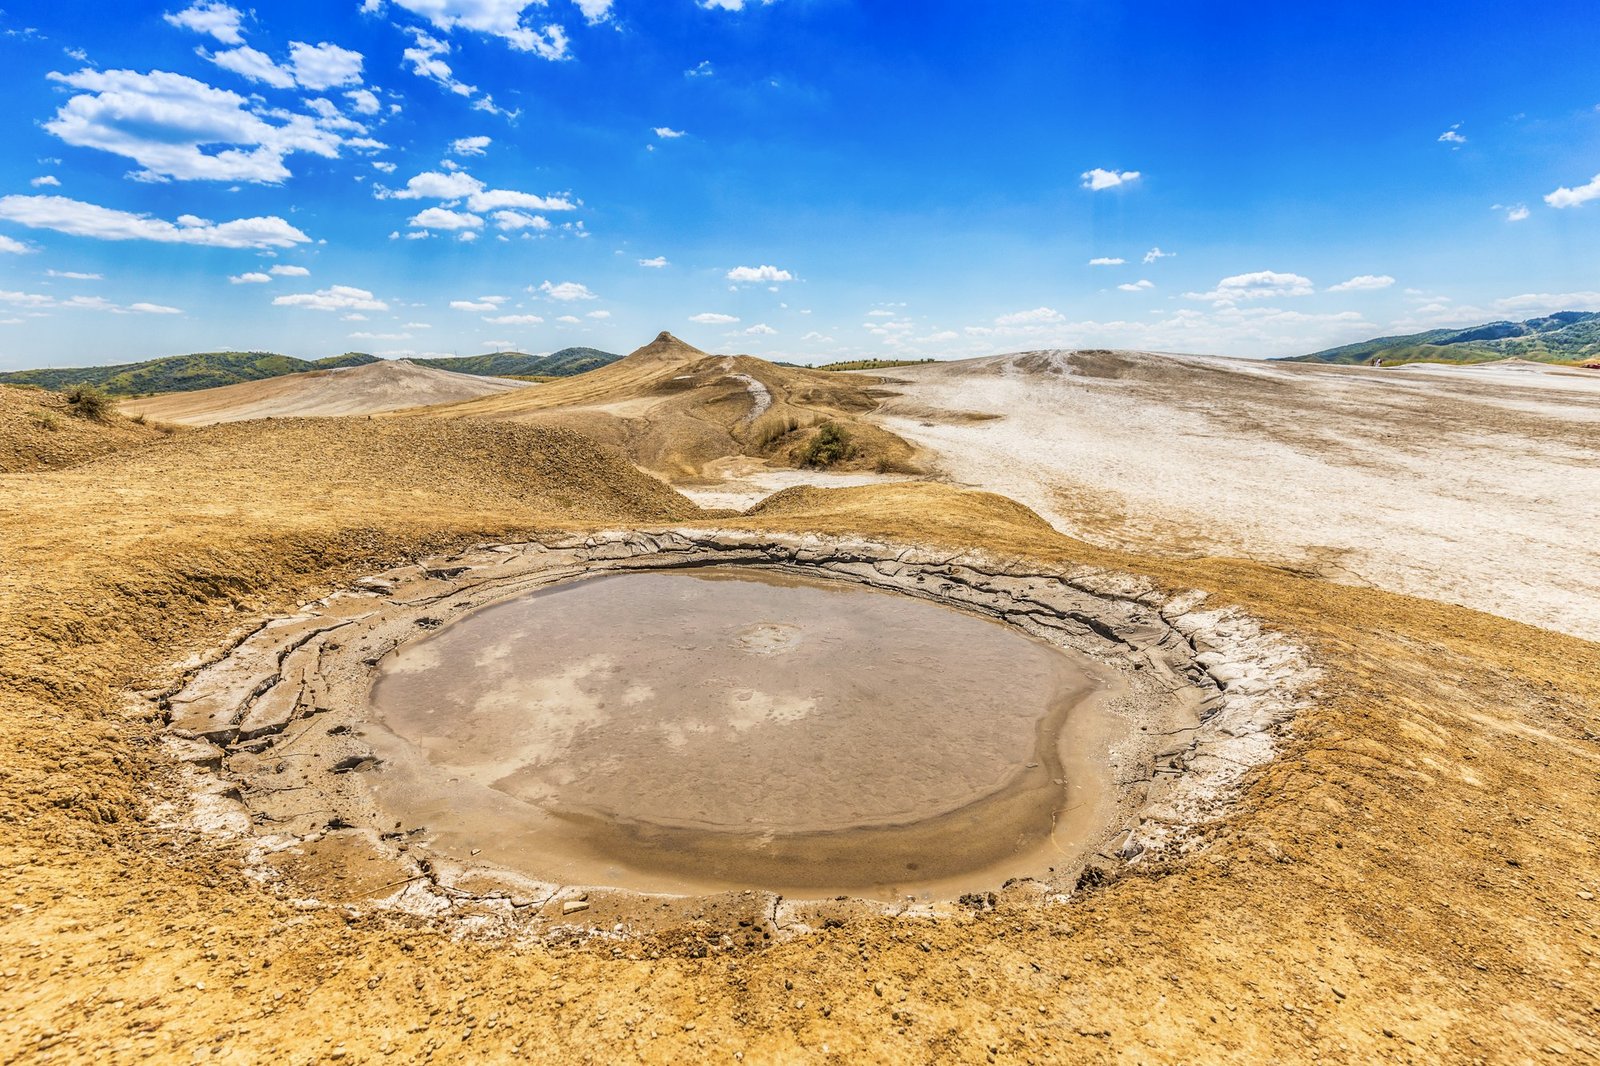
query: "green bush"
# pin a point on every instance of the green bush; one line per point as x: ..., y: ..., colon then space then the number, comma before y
x: 832, y: 444
x: 91, y: 402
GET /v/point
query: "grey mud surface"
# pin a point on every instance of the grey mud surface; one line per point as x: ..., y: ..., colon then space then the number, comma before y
x: 280, y: 733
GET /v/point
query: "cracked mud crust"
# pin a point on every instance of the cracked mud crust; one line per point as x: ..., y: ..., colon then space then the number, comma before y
x: 1200, y: 698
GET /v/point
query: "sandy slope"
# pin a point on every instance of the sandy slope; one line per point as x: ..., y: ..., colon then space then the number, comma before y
x: 355, y: 390
x: 1466, y: 487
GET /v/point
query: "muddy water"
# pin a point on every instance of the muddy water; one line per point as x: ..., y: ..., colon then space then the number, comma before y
x: 707, y: 729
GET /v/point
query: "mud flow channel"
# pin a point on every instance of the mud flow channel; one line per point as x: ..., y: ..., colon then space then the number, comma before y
x: 721, y: 727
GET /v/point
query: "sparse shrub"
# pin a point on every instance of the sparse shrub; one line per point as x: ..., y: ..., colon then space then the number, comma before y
x: 47, y: 420
x: 772, y: 429
x: 831, y: 445
x: 91, y: 402
x: 138, y: 419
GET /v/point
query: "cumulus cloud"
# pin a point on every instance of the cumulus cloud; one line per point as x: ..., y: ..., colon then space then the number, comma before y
x: 667, y: 133
x: 459, y: 185
x: 1106, y: 261
x: 1260, y: 285
x: 424, y: 55
x: 769, y: 274
x: 1098, y: 179
x: 567, y: 291
x: 324, y: 66
x: 1453, y: 136
x: 176, y: 127
x: 598, y: 315
x: 481, y: 304
x: 498, y: 18
x: 1156, y: 254
x: 79, y: 219
x: 1039, y: 316
x: 657, y: 263
x: 1363, y: 283
x: 570, y: 320
x: 1582, y: 194
x: 250, y: 279
x: 333, y: 298
x: 45, y: 180
x: 595, y: 11
x: 363, y: 101
x: 40, y: 301
x: 517, y: 220
x: 216, y: 19
x: 255, y: 65
x: 74, y: 275
x: 760, y: 329
x: 445, y: 219
x: 710, y: 318
x: 1516, y: 212
x: 285, y: 270
x: 1137, y: 286
x: 515, y: 320
x: 730, y: 5
x: 470, y: 145
x: 12, y: 246
x: 703, y: 70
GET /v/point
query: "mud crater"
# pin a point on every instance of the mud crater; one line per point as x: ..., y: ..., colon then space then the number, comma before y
x: 1121, y: 721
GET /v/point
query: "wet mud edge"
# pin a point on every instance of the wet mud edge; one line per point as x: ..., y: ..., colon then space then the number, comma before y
x: 265, y: 732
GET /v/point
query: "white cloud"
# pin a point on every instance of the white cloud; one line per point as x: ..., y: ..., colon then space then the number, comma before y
x: 1363, y: 283
x: 515, y: 320
x: 1453, y: 136
x: 1155, y: 254
x: 657, y: 263
x: 499, y: 18
x: 1261, y: 284
x: 515, y: 220
x: 491, y: 199
x: 364, y: 336
x: 1137, y: 286
x: 250, y: 279
x: 596, y: 11
x: 667, y: 133
x: 84, y: 303
x: 481, y: 304
x: 445, y: 219
x: 425, y: 63
x: 284, y: 270
x: 363, y: 101
x: 45, y: 179
x: 218, y: 20
x: 470, y: 145
x: 760, y: 329
x: 1517, y: 212
x: 880, y: 313
x: 467, y: 236
x: 1565, y: 197
x: 598, y: 315
x: 458, y: 184
x: 177, y: 127
x: 709, y: 318
x: 333, y: 298
x: 759, y: 274
x: 1551, y: 302
x: 11, y: 246
x: 730, y: 5
x: 249, y: 63
x: 1098, y: 179
x: 324, y: 66
x: 570, y: 320
x: 79, y: 219
x: 73, y: 275
x: 567, y: 291
x: 1039, y: 316
x: 703, y: 70
x: 1106, y: 261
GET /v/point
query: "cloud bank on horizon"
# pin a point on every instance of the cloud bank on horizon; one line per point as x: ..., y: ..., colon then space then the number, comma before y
x: 801, y: 181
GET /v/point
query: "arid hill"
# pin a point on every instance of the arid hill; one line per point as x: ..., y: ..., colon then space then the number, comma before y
x: 675, y: 410
x: 41, y: 430
x: 371, y: 388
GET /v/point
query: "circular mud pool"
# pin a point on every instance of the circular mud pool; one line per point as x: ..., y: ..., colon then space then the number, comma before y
x: 732, y: 727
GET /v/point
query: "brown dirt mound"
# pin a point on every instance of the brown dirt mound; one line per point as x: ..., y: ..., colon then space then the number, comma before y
x: 41, y: 431
x: 674, y: 409
x: 1413, y: 879
x: 372, y: 388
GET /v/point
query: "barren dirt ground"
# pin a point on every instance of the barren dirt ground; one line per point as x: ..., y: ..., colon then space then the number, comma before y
x: 1470, y: 486
x: 1413, y: 879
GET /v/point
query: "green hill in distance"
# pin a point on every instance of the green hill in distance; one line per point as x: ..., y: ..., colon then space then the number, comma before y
x: 1566, y: 337
x: 206, y: 370
x: 180, y: 373
x: 563, y: 364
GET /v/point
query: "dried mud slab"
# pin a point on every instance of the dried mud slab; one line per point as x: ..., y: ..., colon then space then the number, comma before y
x: 274, y: 726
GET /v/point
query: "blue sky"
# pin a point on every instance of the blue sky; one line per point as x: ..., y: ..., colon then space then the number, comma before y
x: 800, y: 179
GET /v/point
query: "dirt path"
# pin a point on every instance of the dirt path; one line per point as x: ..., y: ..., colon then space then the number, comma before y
x: 1475, y: 491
